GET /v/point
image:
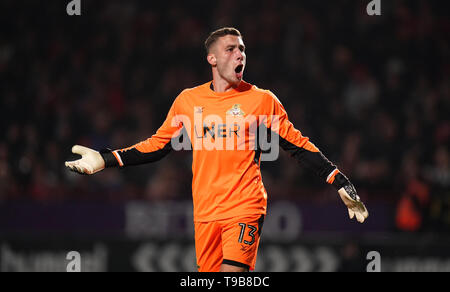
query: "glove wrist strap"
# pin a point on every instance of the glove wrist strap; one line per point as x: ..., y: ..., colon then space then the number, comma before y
x: 340, y: 181
x: 109, y: 158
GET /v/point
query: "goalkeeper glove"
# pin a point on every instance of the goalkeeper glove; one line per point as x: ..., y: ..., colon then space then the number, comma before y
x: 348, y: 195
x: 91, y: 161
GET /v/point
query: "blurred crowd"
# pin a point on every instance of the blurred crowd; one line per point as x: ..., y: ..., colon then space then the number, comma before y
x: 372, y: 92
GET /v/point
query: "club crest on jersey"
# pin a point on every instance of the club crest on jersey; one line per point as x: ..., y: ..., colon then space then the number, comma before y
x: 235, y: 111
x: 198, y: 109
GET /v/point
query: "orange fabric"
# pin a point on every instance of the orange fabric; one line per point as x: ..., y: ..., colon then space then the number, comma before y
x: 226, y: 183
x: 235, y: 239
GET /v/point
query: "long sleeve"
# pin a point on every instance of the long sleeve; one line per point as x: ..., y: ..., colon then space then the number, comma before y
x: 299, y: 146
x: 150, y: 150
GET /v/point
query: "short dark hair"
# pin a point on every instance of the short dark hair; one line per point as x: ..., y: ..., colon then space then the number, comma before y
x: 212, y: 38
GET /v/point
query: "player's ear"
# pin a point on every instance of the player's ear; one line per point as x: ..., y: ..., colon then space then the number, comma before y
x: 211, y: 58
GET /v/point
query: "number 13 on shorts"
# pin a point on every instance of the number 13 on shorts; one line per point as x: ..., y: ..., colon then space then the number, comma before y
x: 251, y: 233
x: 233, y: 240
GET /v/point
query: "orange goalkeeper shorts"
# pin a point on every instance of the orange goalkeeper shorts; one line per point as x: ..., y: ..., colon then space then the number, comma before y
x: 231, y: 241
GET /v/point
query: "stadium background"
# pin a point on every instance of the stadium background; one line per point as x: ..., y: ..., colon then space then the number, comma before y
x: 372, y: 92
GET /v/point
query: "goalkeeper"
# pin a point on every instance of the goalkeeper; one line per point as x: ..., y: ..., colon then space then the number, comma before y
x: 229, y: 197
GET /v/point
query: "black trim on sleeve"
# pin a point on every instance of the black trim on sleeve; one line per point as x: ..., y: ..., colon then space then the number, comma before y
x: 315, y: 161
x: 236, y: 264
x: 109, y: 158
x: 135, y: 157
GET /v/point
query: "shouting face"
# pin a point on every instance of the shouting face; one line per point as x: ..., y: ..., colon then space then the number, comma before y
x: 227, y: 57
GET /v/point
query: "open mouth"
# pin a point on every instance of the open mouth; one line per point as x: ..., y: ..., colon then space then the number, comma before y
x: 239, y: 68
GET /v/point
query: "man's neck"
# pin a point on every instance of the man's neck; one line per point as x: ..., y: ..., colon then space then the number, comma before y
x: 222, y: 86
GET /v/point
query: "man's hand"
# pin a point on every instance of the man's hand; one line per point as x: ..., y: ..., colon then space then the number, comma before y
x: 353, y: 203
x: 348, y: 195
x: 91, y: 161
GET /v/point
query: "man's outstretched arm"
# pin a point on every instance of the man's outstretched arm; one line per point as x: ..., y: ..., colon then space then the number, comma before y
x: 150, y: 150
x: 310, y: 156
x: 93, y: 161
x: 306, y: 153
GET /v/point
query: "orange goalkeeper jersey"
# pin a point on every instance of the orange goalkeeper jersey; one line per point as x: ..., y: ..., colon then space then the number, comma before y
x: 225, y: 132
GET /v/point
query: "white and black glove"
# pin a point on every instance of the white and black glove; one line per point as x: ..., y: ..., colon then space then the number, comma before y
x: 348, y: 195
x: 91, y: 161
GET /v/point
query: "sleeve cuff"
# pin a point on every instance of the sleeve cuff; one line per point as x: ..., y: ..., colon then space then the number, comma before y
x: 331, y: 177
x: 109, y: 158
